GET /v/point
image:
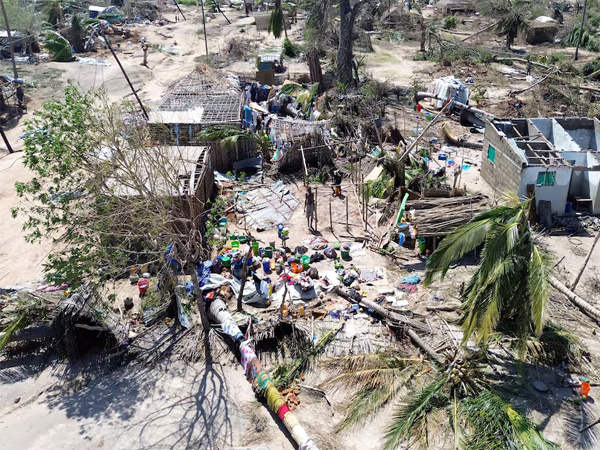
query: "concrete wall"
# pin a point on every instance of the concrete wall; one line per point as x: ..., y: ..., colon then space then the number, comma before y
x: 556, y: 194
x: 582, y: 130
x: 561, y: 139
x: 504, y: 175
x: 579, y: 184
x: 593, y: 180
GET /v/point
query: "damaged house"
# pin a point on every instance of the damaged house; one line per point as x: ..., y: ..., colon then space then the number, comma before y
x: 557, y: 159
x: 205, y: 98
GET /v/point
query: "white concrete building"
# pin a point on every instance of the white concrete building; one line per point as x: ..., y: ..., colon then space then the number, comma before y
x: 558, y: 159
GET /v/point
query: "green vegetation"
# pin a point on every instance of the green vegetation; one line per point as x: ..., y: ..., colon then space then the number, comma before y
x: 450, y: 23
x: 290, y: 49
x: 58, y: 46
x: 511, y: 283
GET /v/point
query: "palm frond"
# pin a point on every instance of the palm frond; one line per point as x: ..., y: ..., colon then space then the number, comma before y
x: 409, y: 422
x: 285, y: 374
x: 463, y: 240
x: 276, y: 22
x: 556, y: 345
x: 291, y: 89
x: 58, y: 46
x: 370, y: 400
x: 496, y: 425
x: 540, y: 269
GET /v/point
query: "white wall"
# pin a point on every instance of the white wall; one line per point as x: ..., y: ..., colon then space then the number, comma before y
x: 561, y: 139
x: 593, y: 179
x: 556, y: 194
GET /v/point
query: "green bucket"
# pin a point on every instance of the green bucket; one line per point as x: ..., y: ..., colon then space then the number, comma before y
x: 269, y: 252
x: 337, y: 245
x: 305, y: 262
x: 422, y: 244
x: 345, y: 254
x: 235, y: 245
x: 226, y: 261
x: 232, y: 236
x: 255, y: 248
x: 242, y: 239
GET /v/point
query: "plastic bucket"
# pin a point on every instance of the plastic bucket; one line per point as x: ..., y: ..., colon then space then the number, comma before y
x: 266, y: 265
x: 296, y: 268
x: 232, y: 236
x: 345, y: 253
x: 255, y: 248
x: 569, y: 208
x: 337, y: 245
x: 422, y: 245
x: 584, y: 389
x: 269, y: 252
x: 226, y: 261
x: 242, y: 239
x: 235, y: 245
x: 305, y: 262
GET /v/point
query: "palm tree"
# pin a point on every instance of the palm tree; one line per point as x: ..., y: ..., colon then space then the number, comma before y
x: 481, y: 418
x: 510, y: 25
x: 277, y: 21
x: 512, y: 282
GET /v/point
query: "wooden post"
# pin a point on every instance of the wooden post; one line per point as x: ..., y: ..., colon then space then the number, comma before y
x: 204, y: 26
x: 316, y: 204
x: 11, y: 45
x: 330, y: 216
x: 305, y: 168
x: 5, y: 139
x: 365, y: 201
x: 177, y: 4
x: 125, y: 75
x: 347, y: 228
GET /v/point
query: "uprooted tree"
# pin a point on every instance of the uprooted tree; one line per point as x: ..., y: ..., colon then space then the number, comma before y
x: 106, y: 197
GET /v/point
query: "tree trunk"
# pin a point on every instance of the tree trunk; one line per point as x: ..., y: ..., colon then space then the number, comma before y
x: 574, y: 298
x: 31, y: 334
x: 314, y: 66
x: 576, y: 282
x: 398, y: 318
x: 580, y: 31
x: 203, y: 315
x: 344, y: 56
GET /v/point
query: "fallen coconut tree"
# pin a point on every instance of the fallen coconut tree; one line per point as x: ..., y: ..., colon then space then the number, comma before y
x: 259, y: 378
x: 574, y: 298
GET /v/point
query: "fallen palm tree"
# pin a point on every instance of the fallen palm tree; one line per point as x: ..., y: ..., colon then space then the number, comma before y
x: 260, y: 379
x: 574, y: 298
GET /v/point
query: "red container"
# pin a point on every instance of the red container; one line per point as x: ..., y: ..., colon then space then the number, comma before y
x: 143, y: 286
x: 419, y: 108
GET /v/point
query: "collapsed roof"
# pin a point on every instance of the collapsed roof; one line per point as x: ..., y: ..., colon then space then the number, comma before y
x: 551, y: 142
x: 204, y: 97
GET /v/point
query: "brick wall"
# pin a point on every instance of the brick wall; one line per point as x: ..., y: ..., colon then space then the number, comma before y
x: 504, y: 175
